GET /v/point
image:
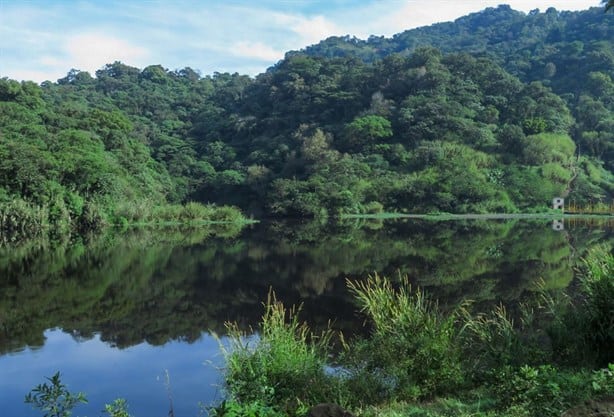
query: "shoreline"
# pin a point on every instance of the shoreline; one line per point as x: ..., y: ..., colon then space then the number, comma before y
x: 478, y: 216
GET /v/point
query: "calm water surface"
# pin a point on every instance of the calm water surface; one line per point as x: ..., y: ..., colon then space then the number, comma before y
x: 131, y: 314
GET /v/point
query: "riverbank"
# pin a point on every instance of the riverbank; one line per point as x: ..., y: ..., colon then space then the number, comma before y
x: 20, y: 219
x: 478, y: 216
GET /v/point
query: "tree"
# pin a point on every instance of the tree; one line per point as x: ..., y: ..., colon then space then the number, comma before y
x: 367, y: 130
x: 545, y: 148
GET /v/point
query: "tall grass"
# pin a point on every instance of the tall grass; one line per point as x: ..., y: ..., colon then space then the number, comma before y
x: 413, y: 352
x: 489, y: 339
x: 284, y: 367
x: 592, y: 208
x: 20, y: 219
x: 597, y: 286
x: 189, y: 213
x: 581, y: 323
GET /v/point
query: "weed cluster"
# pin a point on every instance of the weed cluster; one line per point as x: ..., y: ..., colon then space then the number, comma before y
x: 412, y: 353
x: 20, y: 219
x: 189, y: 213
x: 284, y: 367
x: 55, y: 400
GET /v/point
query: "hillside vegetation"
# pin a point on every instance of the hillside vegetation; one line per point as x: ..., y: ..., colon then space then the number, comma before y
x: 496, y: 112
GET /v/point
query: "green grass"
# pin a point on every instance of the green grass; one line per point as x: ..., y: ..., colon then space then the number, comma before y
x: 413, y: 352
x: 21, y: 220
x: 284, y: 368
x: 191, y: 213
x: 477, y: 216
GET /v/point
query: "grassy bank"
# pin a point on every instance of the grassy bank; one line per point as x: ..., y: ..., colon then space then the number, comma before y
x: 551, y: 354
x: 20, y: 219
x: 477, y: 216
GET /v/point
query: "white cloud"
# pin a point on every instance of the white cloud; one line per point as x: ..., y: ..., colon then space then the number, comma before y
x: 32, y: 75
x: 309, y: 29
x: 91, y: 51
x: 543, y: 5
x: 41, y: 40
x: 257, y: 50
x: 85, y: 52
x: 315, y: 29
x: 393, y: 16
x: 51, y: 61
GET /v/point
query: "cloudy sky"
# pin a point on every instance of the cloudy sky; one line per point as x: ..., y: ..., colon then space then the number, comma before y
x: 43, y: 39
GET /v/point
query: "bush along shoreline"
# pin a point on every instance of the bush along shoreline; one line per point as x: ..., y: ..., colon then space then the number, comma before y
x: 551, y: 357
x: 20, y: 219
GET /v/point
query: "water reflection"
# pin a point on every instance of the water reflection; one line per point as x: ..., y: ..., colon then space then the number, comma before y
x: 137, y: 373
x: 153, y: 286
x: 142, y: 289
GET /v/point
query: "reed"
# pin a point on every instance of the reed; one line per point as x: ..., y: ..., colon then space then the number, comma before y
x: 590, y: 208
x: 283, y: 367
x: 413, y: 352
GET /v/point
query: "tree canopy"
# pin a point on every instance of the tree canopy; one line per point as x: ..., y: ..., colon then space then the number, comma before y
x: 497, y: 111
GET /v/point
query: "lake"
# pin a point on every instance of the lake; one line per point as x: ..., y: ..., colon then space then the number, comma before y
x: 132, y: 314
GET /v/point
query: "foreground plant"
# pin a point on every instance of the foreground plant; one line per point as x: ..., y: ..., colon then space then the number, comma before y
x: 413, y: 352
x: 597, y: 285
x: 53, y: 398
x: 231, y: 408
x: 284, y: 367
x: 118, y: 408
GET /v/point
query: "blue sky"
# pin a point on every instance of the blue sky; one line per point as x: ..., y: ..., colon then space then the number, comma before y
x: 43, y: 39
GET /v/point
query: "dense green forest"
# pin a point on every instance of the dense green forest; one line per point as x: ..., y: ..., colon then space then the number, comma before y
x: 496, y: 112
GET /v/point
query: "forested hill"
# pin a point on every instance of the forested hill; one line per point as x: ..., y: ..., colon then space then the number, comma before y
x: 457, y: 122
x: 570, y: 52
x: 531, y: 46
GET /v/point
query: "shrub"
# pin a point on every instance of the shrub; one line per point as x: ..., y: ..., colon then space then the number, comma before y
x: 251, y: 409
x: 53, y: 398
x: 93, y: 217
x: 491, y: 340
x: 283, y: 368
x: 582, y: 328
x: 413, y: 351
x: 21, y: 219
x: 549, y: 391
x: 226, y: 214
x: 134, y: 211
x: 194, y: 211
x: 59, y: 216
x: 602, y: 381
x: 167, y: 213
x: 373, y: 207
x: 118, y: 408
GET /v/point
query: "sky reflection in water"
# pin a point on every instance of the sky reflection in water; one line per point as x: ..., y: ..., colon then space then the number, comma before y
x: 101, y: 372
